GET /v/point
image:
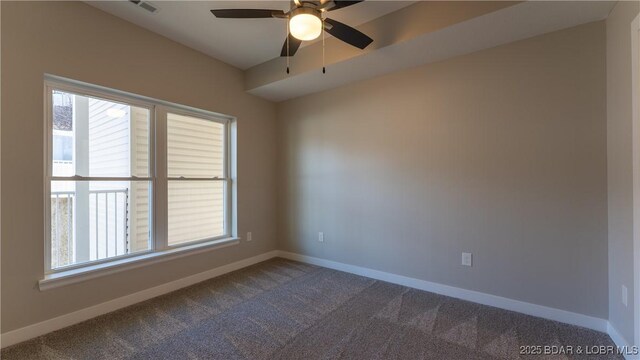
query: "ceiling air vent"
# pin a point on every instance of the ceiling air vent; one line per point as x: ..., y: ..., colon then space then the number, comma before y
x: 145, y: 5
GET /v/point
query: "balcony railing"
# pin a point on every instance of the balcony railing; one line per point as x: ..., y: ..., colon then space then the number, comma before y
x: 99, y: 231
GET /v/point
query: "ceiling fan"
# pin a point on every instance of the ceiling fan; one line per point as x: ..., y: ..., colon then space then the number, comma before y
x: 306, y: 22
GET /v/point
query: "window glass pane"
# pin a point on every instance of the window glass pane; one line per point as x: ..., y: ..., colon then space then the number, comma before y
x: 97, y: 137
x: 195, y: 147
x: 96, y: 220
x: 196, y: 210
x: 63, y: 147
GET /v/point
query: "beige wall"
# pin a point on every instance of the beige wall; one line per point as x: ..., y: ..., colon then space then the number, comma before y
x: 619, y: 160
x: 77, y: 41
x: 501, y: 153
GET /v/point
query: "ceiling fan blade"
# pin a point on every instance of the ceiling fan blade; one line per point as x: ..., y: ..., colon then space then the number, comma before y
x: 294, y: 45
x: 348, y: 34
x: 246, y: 13
x: 343, y: 4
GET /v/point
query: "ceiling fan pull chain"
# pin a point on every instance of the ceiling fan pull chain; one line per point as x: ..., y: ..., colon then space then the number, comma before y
x: 324, y: 70
x: 287, y: 46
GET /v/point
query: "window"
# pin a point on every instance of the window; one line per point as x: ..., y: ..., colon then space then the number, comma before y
x: 197, y: 178
x: 130, y: 176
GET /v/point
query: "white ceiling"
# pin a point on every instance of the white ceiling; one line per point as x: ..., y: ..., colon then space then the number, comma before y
x: 240, y: 42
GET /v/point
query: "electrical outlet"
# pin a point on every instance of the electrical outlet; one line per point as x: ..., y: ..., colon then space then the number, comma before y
x: 321, y: 236
x: 625, y: 295
x: 249, y: 236
x: 466, y: 259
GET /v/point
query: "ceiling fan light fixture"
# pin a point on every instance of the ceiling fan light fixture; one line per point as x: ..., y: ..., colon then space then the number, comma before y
x: 305, y: 26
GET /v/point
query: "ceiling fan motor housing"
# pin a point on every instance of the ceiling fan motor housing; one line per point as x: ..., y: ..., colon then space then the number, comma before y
x: 309, y: 3
x: 304, y: 10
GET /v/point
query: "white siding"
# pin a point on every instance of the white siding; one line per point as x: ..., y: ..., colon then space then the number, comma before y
x: 109, y: 156
x: 139, y: 216
x: 108, y: 140
x: 119, y: 147
x: 195, y: 148
x: 196, y: 210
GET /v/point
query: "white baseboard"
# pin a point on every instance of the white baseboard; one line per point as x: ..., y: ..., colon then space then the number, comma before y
x: 47, y: 326
x: 620, y: 342
x: 469, y: 295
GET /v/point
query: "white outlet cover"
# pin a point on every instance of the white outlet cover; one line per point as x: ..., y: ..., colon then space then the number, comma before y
x: 625, y: 295
x: 466, y: 259
x: 249, y: 238
x: 321, y: 236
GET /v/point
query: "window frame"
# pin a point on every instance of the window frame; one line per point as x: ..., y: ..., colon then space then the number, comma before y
x: 163, y: 132
x: 157, y: 178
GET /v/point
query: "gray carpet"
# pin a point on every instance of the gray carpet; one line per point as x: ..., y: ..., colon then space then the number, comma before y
x: 282, y: 309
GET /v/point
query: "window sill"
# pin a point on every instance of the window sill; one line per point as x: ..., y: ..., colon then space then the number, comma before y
x: 73, y: 276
